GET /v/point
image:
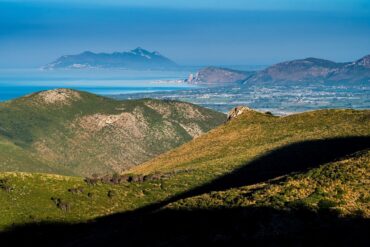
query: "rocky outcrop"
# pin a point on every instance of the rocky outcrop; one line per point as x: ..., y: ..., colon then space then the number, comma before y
x: 218, y: 76
x: 61, y: 96
x: 237, y: 111
x: 365, y: 62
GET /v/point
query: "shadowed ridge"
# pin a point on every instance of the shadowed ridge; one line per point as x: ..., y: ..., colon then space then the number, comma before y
x: 251, y: 226
x: 149, y: 226
x: 294, y: 158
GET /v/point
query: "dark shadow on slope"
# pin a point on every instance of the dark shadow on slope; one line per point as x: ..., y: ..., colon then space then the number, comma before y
x: 293, y: 158
x: 222, y: 227
x: 296, y: 157
x: 249, y: 226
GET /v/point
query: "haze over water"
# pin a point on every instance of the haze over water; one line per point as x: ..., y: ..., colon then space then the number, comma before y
x: 209, y: 32
x: 18, y: 82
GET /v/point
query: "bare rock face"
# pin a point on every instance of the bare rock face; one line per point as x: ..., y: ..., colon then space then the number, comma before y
x: 60, y: 96
x: 365, y: 61
x: 235, y: 112
x: 218, y: 76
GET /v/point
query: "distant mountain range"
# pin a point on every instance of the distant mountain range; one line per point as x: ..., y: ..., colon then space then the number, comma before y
x: 302, y: 70
x: 138, y: 58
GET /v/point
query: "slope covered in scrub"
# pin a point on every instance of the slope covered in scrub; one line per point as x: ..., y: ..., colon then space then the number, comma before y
x: 250, y: 150
x: 83, y: 134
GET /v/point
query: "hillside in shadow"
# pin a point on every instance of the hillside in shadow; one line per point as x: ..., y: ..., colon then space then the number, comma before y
x: 249, y: 226
x: 293, y: 158
x: 254, y: 226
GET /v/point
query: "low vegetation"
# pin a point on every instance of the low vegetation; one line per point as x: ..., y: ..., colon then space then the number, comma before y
x: 341, y: 187
x: 253, y: 160
x: 26, y: 197
x: 70, y: 132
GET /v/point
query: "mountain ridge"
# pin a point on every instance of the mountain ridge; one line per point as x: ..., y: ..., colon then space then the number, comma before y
x: 314, y: 70
x: 305, y: 70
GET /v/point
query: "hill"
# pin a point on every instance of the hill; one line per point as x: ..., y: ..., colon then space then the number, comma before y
x: 138, y: 58
x: 253, y: 133
x: 218, y: 76
x: 79, y: 133
x: 255, y: 159
x: 340, y: 186
x: 258, y: 179
x: 315, y: 70
x: 306, y: 70
x: 16, y: 158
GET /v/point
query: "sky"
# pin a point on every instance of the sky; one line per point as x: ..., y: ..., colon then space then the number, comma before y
x: 202, y: 32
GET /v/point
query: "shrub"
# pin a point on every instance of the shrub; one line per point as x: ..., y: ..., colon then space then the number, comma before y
x: 91, y: 181
x: 76, y: 190
x: 298, y: 205
x: 64, y: 206
x: 326, y: 204
x: 111, y: 193
x: 116, y: 179
x: 4, y: 186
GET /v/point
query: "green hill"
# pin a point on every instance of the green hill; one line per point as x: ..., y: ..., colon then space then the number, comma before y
x: 253, y: 134
x: 311, y: 161
x: 77, y: 133
x: 340, y: 186
x: 17, y: 159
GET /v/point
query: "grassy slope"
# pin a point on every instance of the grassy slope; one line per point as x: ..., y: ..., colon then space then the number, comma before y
x: 340, y: 186
x: 15, y: 158
x: 253, y: 134
x: 238, y: 142
x: 51, y: 131
x: 30, y: 198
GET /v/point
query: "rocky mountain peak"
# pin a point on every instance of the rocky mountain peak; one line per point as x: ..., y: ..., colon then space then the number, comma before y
x: 365, y: 61
x: 139, y: 50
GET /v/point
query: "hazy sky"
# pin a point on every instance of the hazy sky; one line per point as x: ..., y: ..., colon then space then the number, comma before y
x: 33, y: 33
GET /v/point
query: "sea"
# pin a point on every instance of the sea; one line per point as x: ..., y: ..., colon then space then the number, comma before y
x: 279, y: 99
x: 16, y: 83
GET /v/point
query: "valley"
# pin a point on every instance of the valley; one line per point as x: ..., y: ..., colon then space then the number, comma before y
x: 184, y: 123
x: 313, y: 160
